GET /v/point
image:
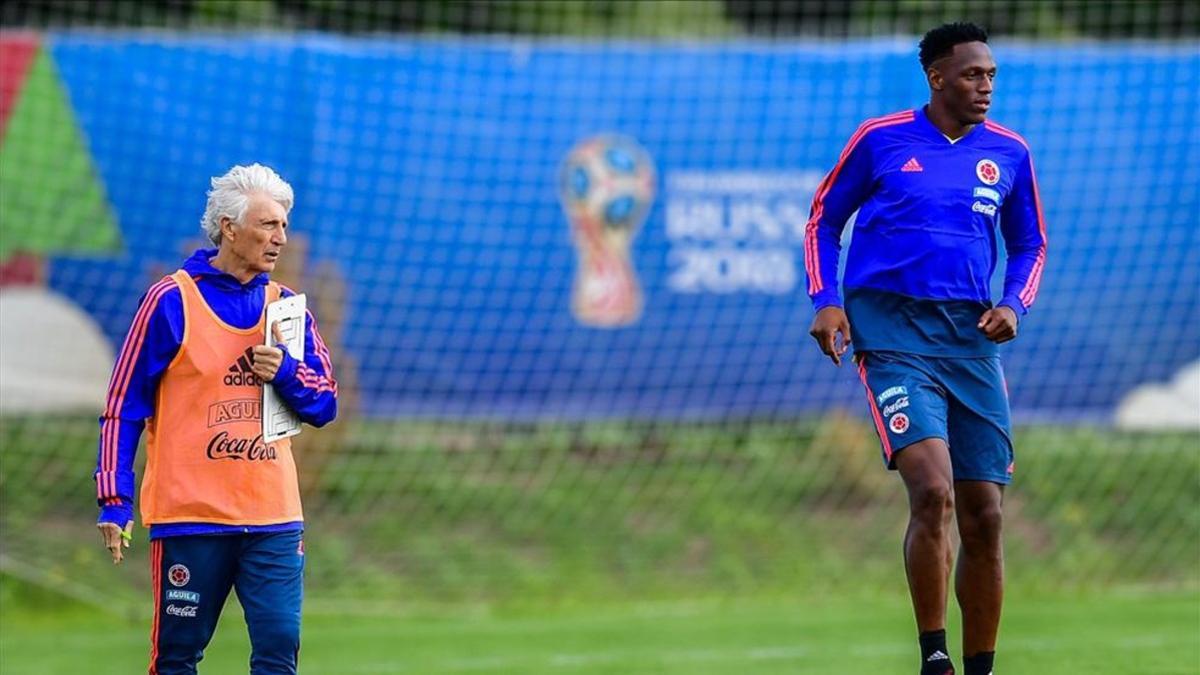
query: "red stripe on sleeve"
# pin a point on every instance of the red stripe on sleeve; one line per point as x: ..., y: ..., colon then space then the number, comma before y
x: 120, y: 381
x: 309, y: 378
x: 812, y: 257
x: 306, y: 375
x: 319, y: 348
x: 322, y: 352
x: 128, y: 350
x: 1029, y: 292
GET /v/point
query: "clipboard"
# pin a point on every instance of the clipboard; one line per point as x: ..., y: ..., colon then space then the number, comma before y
x: 278, y: 420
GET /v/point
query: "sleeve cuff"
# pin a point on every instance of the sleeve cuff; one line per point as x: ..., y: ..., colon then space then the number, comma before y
x: 287, y: 369
x: 1014, y: 303
x: 117, y: 514
x: 826, y: 299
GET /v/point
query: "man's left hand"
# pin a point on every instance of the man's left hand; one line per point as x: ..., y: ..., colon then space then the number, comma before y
x: 116, y: 539
x: 999, y: 324
x: 268, y: 359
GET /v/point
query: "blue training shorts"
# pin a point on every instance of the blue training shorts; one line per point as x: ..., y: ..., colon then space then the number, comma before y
x: 963, y: 401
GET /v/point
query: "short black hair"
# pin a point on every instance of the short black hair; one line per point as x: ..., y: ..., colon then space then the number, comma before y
x: 940, y: 41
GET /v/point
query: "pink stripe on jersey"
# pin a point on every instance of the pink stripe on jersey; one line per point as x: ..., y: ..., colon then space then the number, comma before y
x: 119, y: 382
x: 309, y: 378
x: 319, y: 347
x: 102, y: 485
x: 121, y: 374
x: 1029, y: 293
x: 812, y: 260
x: 322, y: 352
x: 306, y: 371
x: 139, y: 320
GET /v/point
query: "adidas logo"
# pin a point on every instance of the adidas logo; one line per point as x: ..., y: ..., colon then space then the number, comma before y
x: 912, y: 165
x: 939, y: 655
x: 241, y: 372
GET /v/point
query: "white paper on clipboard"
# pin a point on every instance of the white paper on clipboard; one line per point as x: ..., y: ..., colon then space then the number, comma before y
x: 278, y: 420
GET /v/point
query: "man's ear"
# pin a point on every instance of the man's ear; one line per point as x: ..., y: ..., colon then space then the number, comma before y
x: 227, y: 228
x: 935, y: 79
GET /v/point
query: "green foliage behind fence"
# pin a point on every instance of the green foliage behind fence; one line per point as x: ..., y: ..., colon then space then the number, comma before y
x: 410, y: 512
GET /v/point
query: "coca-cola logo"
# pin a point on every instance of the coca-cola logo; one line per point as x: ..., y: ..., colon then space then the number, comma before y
x: 222, y: 446
x: 184, y: 611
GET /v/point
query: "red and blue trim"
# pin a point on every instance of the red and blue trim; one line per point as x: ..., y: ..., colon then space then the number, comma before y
x: 106, y: 476
x: 1029, y: 291
x: 812, y: 258
x: 880, y: 427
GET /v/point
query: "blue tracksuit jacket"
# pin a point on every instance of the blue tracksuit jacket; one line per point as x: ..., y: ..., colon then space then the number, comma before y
x: 154, y: 339
x: 924, y: 242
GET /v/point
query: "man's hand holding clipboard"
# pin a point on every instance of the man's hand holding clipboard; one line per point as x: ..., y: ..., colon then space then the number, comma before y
x: 286, y: 319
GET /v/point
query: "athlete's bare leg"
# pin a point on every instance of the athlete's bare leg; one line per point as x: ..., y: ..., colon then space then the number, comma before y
x: 926, y: 470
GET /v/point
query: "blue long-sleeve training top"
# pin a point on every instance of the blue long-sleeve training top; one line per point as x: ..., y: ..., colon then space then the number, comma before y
x: 923, y: 250
x: 154, y: 339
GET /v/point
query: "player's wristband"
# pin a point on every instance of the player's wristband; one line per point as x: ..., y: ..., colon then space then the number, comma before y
x: 127, y: 536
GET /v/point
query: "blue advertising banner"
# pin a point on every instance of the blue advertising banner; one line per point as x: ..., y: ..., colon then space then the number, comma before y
x: 570, y: 230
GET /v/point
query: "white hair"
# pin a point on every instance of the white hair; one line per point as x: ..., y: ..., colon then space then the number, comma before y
x: 230, y: 193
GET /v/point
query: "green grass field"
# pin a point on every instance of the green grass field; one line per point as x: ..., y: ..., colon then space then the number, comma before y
x: 1117, y: 633
x: 458, y: 548
x: 459, y: 513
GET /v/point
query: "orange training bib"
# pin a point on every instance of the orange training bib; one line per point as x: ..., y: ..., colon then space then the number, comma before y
x: 206, y: 460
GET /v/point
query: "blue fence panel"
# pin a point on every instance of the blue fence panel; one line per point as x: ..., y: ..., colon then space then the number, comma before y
x: 428, y: 171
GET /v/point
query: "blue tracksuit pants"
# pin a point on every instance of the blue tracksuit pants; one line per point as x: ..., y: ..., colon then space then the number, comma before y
x: 192, y: 578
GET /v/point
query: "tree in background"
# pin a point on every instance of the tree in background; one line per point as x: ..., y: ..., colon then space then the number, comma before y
x: 629, y: 18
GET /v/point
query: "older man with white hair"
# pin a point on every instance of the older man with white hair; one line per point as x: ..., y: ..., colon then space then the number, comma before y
x: 222, y: 505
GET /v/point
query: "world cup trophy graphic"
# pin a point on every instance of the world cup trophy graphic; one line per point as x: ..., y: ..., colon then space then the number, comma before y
x: 607, y: 186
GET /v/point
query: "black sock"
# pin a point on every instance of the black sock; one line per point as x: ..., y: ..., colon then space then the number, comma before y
x: 980, y: 664
x: 935, y: 658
